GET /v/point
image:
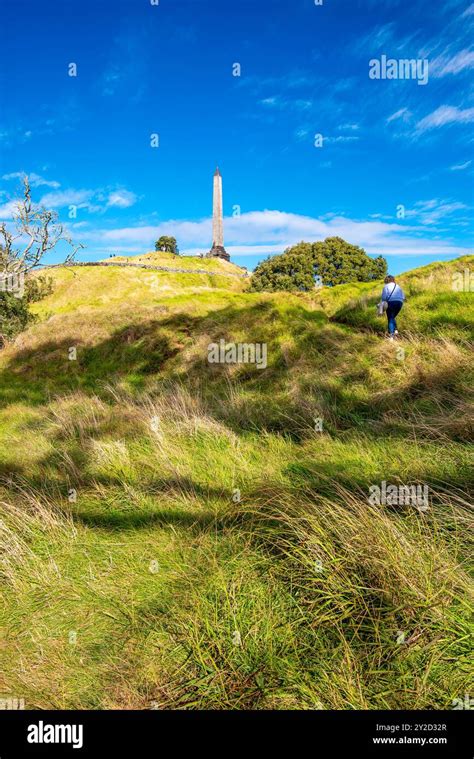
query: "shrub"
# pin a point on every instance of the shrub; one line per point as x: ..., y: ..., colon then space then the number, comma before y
x: 335, y: 261
x: 14, y: 312
x: 14, y: 316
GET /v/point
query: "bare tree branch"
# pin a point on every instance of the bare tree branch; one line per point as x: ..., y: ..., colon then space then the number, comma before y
x: 39, y: 229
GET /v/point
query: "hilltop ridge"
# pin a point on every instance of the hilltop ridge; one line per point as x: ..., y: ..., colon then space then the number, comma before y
x: 162, y: 258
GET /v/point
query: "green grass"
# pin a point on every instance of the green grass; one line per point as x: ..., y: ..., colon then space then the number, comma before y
x: 434, y: 306
x: 219, y: 552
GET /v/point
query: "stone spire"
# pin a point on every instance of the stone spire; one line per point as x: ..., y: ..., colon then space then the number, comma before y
x: 217, y: 220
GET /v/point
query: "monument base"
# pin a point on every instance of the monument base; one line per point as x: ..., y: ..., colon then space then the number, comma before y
x: 218, y: 251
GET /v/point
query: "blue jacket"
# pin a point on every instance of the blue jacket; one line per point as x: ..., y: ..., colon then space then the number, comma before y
x: 397, y: 291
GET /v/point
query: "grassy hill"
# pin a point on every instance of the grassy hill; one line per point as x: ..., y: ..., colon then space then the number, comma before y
x: 90, y: 287
x: 179, y: 534
x: 161, y: 258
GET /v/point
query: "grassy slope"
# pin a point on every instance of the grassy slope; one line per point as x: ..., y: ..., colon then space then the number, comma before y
x: 158, y: 586
x: 433, y: 304
x: 76, y: 287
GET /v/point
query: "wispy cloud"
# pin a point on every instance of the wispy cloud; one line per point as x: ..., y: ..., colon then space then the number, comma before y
x: 269, y: 101
x: 95, y: 201
x: 8, y: 209
x: 443, y: 65
x: 126, y: 70
x: 404, y: 114
x: 63, y: 198
x: 302, y: 133
x: 460, y: 166
x: 36, y: 180
x: 286, y: 103
x: 121, y: 199
x: 61, y: 117
x: 305, y: 133
x: 342, y: 138
x: 431, y: 212
x: 376, y: 39
x: 445, y: 114
x: 9, y: 136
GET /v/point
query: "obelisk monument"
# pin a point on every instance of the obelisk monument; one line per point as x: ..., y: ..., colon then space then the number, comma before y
x: 217, y: 220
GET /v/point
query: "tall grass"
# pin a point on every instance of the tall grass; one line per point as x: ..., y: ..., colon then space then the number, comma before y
x: 173, y: 536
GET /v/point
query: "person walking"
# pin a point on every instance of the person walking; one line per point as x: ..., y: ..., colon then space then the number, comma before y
x: 394, y: 297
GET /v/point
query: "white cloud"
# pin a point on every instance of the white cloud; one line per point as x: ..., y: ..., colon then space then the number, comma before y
x: 301, y: 134
x: 343, y: 138
x: 35, y: 179
x: 64, y: 198
x: 460, y: 166
x: 80, y: 224
x: 284, y: 103
x: 403, y: 114
x: 96, y: 201
x: 445, y: 114
x: 302, y: 105
x: 430, y: 212
x: 7, y: 209
x: 260, y: 233
x: 269, y: 101
x: 444, y: 64
x: 121, y: 199
x: 376, y: 39
x: 13, y: 175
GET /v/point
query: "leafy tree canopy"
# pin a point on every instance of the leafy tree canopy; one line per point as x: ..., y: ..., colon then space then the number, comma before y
x: 167, y: 244
x: 335, y: 261
x: 288, y: 271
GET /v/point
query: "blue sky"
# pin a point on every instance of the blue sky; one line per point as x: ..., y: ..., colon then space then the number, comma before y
x: 393, y: 174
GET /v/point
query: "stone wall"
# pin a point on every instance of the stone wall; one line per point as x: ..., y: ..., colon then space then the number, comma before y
x: 147, y: 266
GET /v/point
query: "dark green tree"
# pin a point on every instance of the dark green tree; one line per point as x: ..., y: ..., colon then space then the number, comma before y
x: 15, y: 315
x: 335, y: 261
x: 338, y: 262
x: 288, y: 271
x: 167, y: 244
